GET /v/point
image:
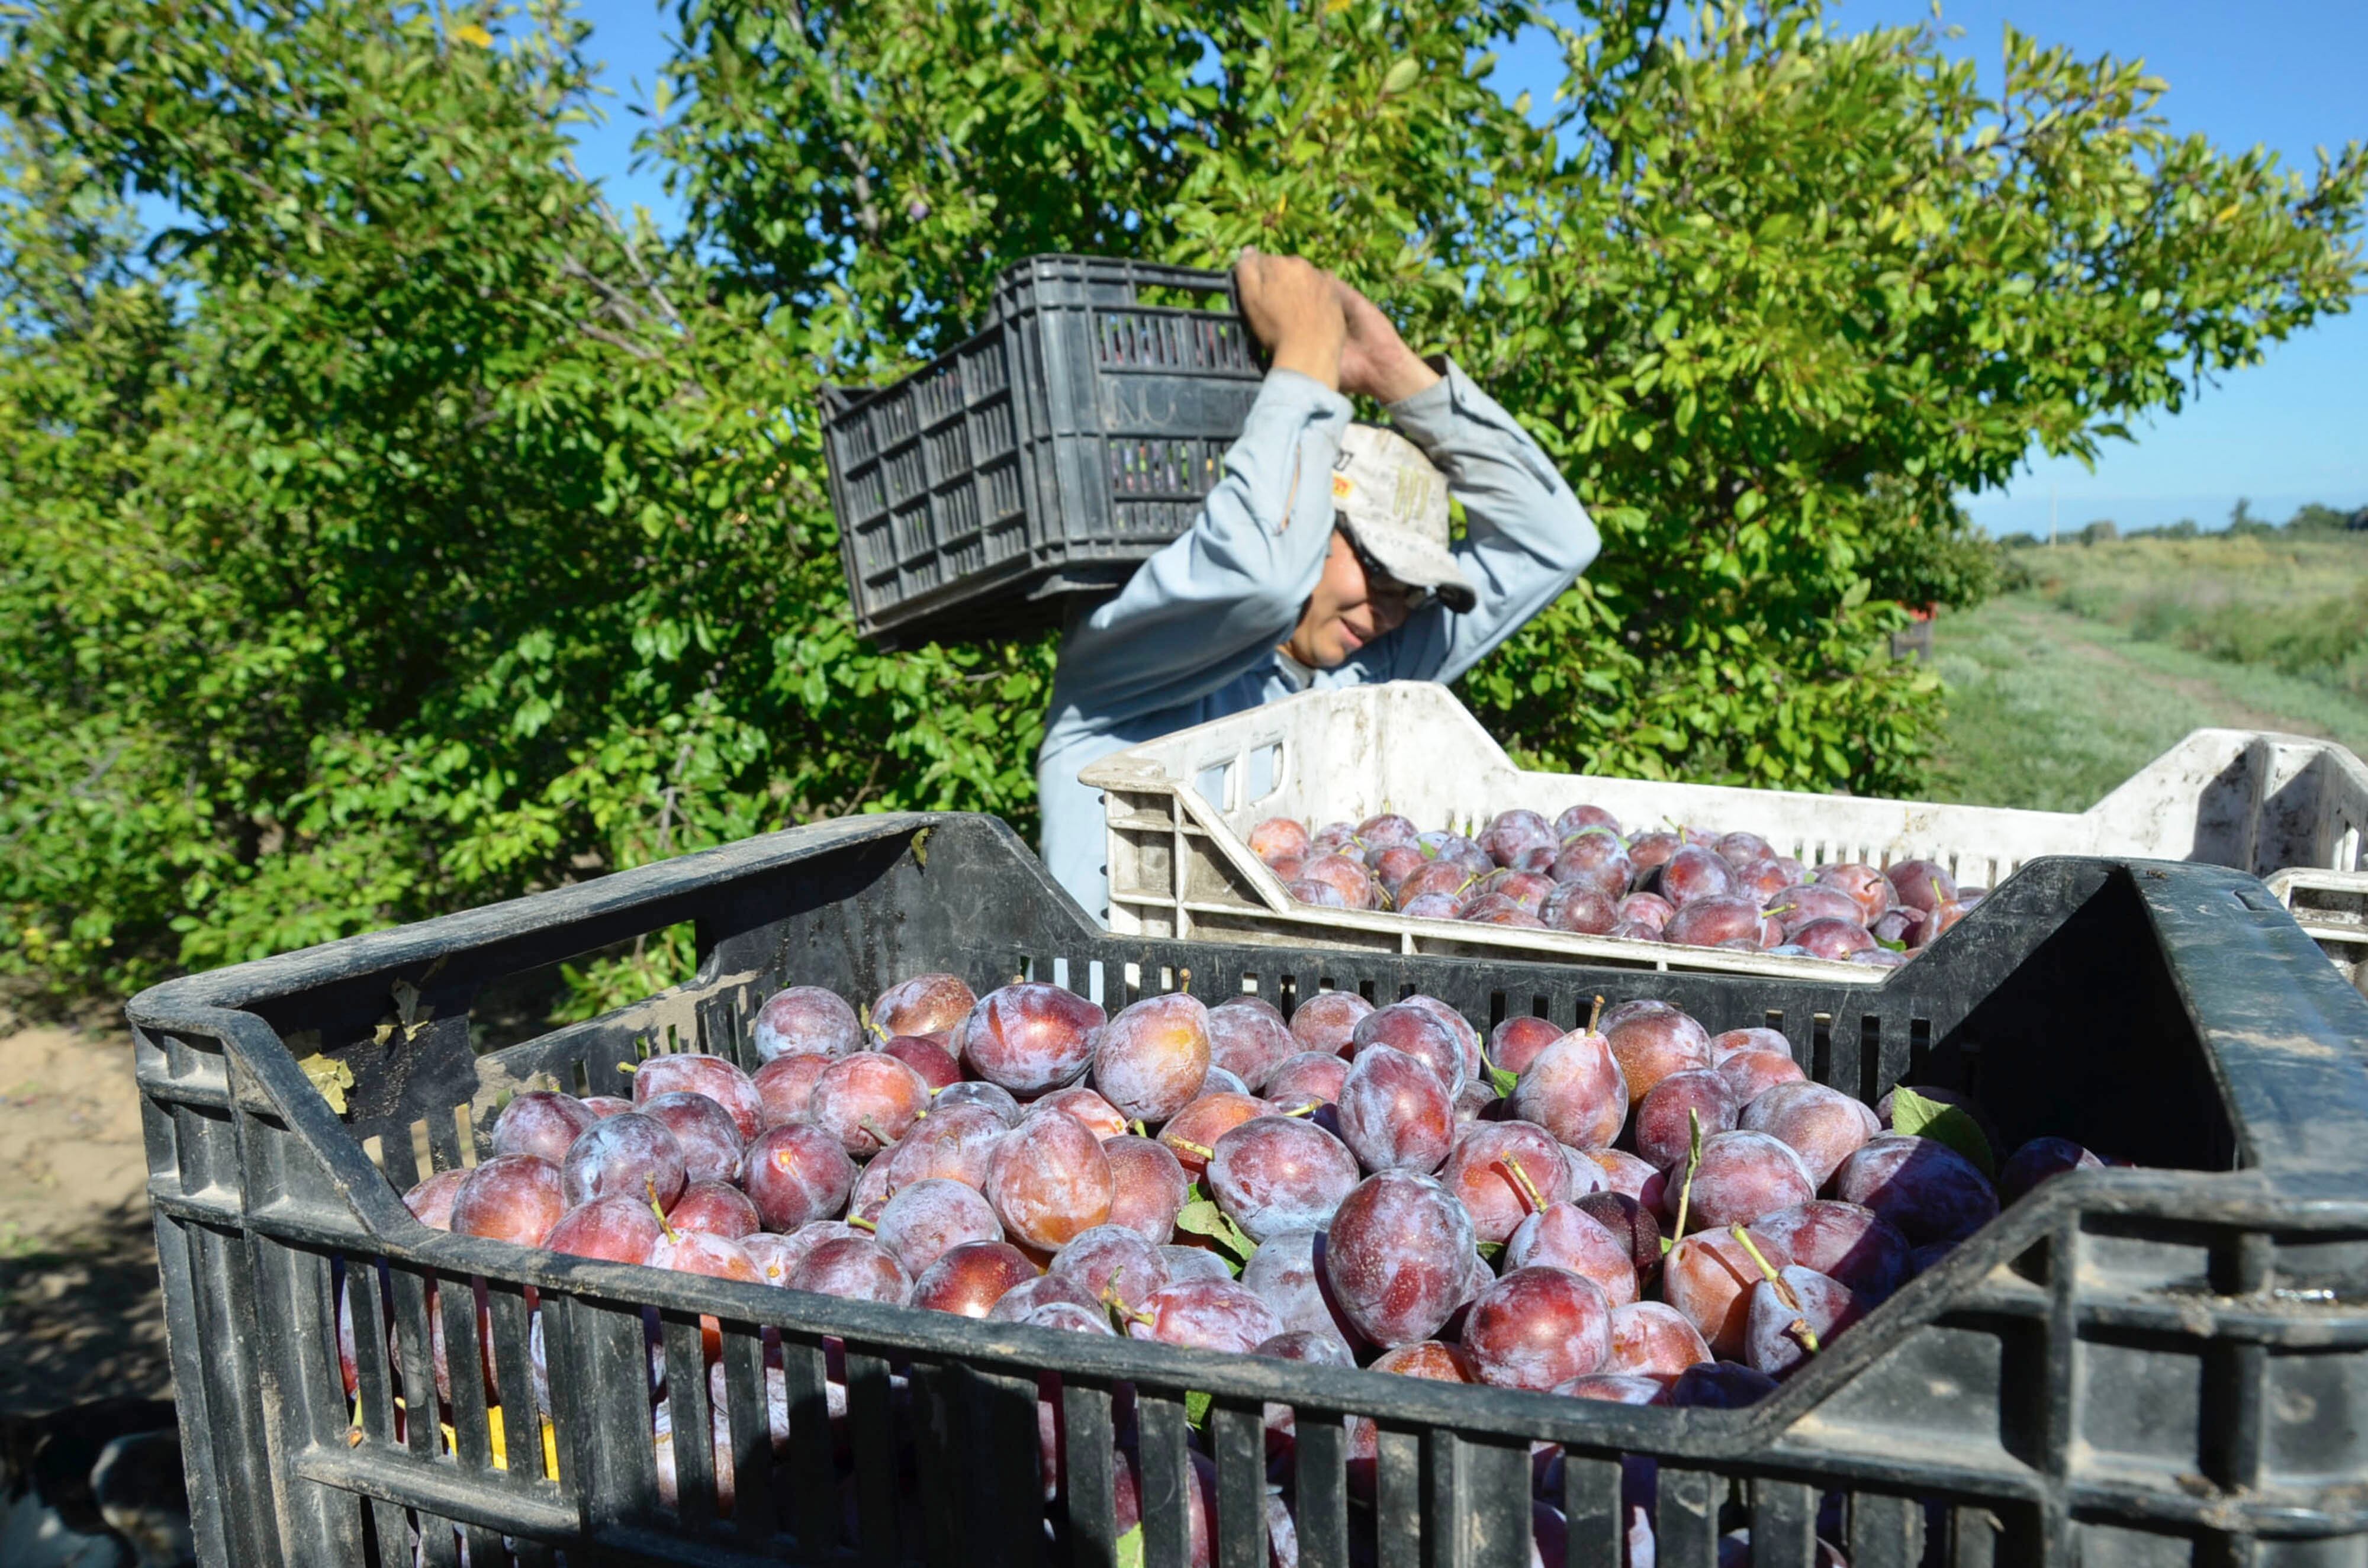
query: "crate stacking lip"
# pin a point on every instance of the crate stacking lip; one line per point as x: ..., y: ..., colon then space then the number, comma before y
x: 1043, y: 458
x: 2152, y: 1366
x: 1180, y: 811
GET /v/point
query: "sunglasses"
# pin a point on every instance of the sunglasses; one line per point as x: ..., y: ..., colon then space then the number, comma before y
x: 1379, y: 584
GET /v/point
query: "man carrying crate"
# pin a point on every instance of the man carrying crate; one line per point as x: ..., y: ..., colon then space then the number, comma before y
x: 1322, y: 558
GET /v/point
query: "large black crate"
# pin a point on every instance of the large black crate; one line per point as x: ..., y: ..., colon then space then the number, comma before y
x: 1043, y: 459
x: 2160, y: 1366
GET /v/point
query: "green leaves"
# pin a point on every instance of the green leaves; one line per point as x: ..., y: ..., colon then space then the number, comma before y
x: 1918, y: 1117
x: 1201, y: 1217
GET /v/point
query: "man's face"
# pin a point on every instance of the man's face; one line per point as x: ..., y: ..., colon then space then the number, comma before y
x: 1346, y: 611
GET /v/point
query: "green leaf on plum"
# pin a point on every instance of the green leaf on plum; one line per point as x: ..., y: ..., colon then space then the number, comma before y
x: 1129, y: 1554
x: 1205, y: 1218
x: 1499, y: 1077
x: 1196, y: 1408
x: 1945, y: 1124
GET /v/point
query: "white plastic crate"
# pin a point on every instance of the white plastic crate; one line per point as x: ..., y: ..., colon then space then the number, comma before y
x: 1181, y: 810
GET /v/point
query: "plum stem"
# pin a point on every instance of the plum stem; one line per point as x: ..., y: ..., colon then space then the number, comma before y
x: 629, y: 1066
x: 1799, y: 1328
x: 1529, y: 1188
x: 659, y: 1210
x: 861, y: 1223
x: 1307, y: 1110
x: 1693, y: 1159
x: 1184, y: 981
x: 1203, y: 1150
x: 1595, y: 1014
x: 1141, y: 1130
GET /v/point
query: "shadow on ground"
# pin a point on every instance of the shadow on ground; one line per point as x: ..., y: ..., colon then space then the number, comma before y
x: 81, y: 1318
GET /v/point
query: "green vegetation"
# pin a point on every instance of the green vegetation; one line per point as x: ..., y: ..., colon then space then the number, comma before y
x: 396, y: 527
x: 2109, y: 652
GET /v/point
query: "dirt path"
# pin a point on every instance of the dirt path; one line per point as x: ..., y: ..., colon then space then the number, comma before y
x: 2215, y: 703
x: 80, y: 1316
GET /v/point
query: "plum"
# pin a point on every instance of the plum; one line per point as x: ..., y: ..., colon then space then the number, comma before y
x: 1048, y: 1180
x: 1394, y: 1113
x: 1720, y: 920
x: 1805, y: 904
x: 796, y: 1174
x: 953, y: 1141
x: 1515, y: 833
x: 1616, y: 1388
x: 977, y: 1093
x: 1537, y: 1327
x: 1279, y: 838
x: 1150, y: 1060
x: 1350, y: 879
x: 1629, y: 1174
x: 1433, y: 878
x: 1309, y: 1076
x: 710, y: 1140
x: 1690, y: 875
x: 1823, y: 1126
x: 784, y: 1086
x: 717, y: 1208
x: 1583, y: 816
x: 1431, y: 906
x: 928, y: 1219
x: 1434, y: 1359
x: 2037, y: 1160
x: 1855, y: 1246
x: 854, y: 1268
x: 1192, y: 1263
x: 1277, y: 1173
x: 1631, y: 1222
x: 932, y: 1004
x: 1148, y: 1187
x: 1103, y: 1120
x: 1396, y: 1257
x: 1583, y: 910
x: 616, y: 1230
x: 1922, y: 885
x: 1515, y: 1043
x: 1193, y: 1132
x: 1764, y: 882
x: 1648, y: 910
x: 1327, y: 1020
x: 1832, y: 938
x: 924, y: 1054
x: 1750, y: 1074
x: 1287, y: 1271
x: 1502, y: 1172
x: 691, y: 1072
x: 1565, y: 1236
x: 541, y: 1122
x: 1742, y: 1176
x: 1392, y: 864
x: 806, y: 1020
x: 1708, y: 1277
x: 1575, y: 1089
x: 1648, y: 851
x: 1650, y: 1042
x: 1029, y: 1290
x: 1248, y: 1038
x: 973, y: 1278
x: 1496, y: 909
x: 1928, y: 1189
x: 510, y: 1198
x: 1388, y: 830
x: 1742, y: 849
x: 631, y: 1155
x: 1206, y: 1314
x: 1654, y: 1339
x: 1113, y: 1264
x: 430, y: 1200
x: 1665, y: 1119
x: 1796, y: 1315
x: 1862, y: 884
x: 1029, y: 1038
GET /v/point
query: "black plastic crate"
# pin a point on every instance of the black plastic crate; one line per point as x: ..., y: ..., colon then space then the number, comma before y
x: 1043, y: 459
x: 2129, y: 1366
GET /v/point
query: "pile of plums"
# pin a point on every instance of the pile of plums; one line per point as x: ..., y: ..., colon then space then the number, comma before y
x: 1581, y: 873
x: 1635, y: 1210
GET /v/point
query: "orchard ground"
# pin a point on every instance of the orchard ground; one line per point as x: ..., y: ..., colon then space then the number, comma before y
x: 2058, y: 692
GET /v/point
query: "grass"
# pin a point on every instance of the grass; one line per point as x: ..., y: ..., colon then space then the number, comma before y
x: 2062, y: 690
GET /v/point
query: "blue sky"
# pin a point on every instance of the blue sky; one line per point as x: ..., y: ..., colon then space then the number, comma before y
x: 2290, y: 429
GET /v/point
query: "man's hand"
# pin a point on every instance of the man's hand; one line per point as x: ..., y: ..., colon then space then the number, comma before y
x: 1375, y: 362
x: 1294, y: 308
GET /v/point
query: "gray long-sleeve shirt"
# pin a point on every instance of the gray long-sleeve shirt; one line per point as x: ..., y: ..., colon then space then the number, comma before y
x: 1193, y: 635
